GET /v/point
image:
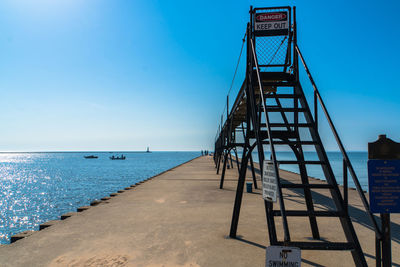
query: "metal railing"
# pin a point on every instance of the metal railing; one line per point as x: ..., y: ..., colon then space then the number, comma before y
x: 346, y: 161
x: 272, y: 147
x: 225, y: 112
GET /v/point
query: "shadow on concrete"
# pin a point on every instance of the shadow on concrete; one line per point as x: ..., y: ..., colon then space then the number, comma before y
x: 241, y: 239
x: 254, y: 193
x: 357, y: 215
x: 311, y: 263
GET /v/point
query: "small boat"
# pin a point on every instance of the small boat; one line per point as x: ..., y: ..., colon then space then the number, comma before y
x: 148, y: 150
x: 90, y: 157
x: 122, y: 157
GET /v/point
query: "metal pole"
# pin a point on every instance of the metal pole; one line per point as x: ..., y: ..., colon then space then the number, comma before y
x: 239, y: 193
x: 221, y: 183
x: 253, y: 172
x: 345, y: 186
x: 237, y: 160
x: 316, y: 109
x: 272, y: 148
x: 386, y: 240
x: 219, y: 162
x: 227, y: 106
x: 295, y: 56
x: 378, y: 258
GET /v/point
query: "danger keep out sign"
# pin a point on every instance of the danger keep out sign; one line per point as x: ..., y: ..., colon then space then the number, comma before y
x: 272, y: 23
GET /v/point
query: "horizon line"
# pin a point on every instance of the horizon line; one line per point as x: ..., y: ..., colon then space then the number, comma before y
x: 137, y: 151
x: 99, y: 151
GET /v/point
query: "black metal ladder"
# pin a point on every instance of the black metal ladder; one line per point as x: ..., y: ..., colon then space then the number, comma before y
x: 291, y: 137
x: 260, y: 126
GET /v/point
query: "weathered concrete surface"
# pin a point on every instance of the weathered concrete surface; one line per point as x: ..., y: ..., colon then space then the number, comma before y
x: 181, y: 218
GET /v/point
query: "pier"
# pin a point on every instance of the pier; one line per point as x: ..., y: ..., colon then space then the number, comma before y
x: 200, y: 213
x: 182, y: 218
x: 271, y: 113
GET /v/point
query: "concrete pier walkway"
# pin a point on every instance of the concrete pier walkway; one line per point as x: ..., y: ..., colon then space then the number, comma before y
x: 182, y: 218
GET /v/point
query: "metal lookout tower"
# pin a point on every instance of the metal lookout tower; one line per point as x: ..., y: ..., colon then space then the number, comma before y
x: 271, y: 112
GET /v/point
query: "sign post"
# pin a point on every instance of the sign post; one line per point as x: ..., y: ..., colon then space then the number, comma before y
x: 384, y: 190
x: 276, y: 255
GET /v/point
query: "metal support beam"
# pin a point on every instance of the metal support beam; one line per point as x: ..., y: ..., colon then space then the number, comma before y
x: 221, y: 183
x: 237, y: 160
x: 239, y: 194
x: 253, y: 172
x: 219, y: 162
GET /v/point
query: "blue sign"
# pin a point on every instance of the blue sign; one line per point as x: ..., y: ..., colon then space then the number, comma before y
x: 384, y: 185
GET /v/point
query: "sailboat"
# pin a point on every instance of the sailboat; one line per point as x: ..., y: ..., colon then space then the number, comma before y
x: 148, y: 150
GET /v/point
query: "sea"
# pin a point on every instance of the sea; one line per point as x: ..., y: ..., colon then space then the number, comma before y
x: 38, y: 187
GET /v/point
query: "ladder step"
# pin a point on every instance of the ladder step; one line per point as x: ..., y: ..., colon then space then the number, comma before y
x: 238, y: 144
x: 318, y: 245
x: 273, y: 106
x: 287, y: 125
x: 308, y: 143
x: 283, y: 96
x: 315, y: 186
x: 285, y: 109
x: 272, y: 76
x: 275, y: 134
x: 277, y: 84
x: 304, y: 213
x: 288, y: 162
x: 293, y: 142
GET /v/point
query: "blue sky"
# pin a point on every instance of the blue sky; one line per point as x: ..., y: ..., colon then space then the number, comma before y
x: 124, y: 75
